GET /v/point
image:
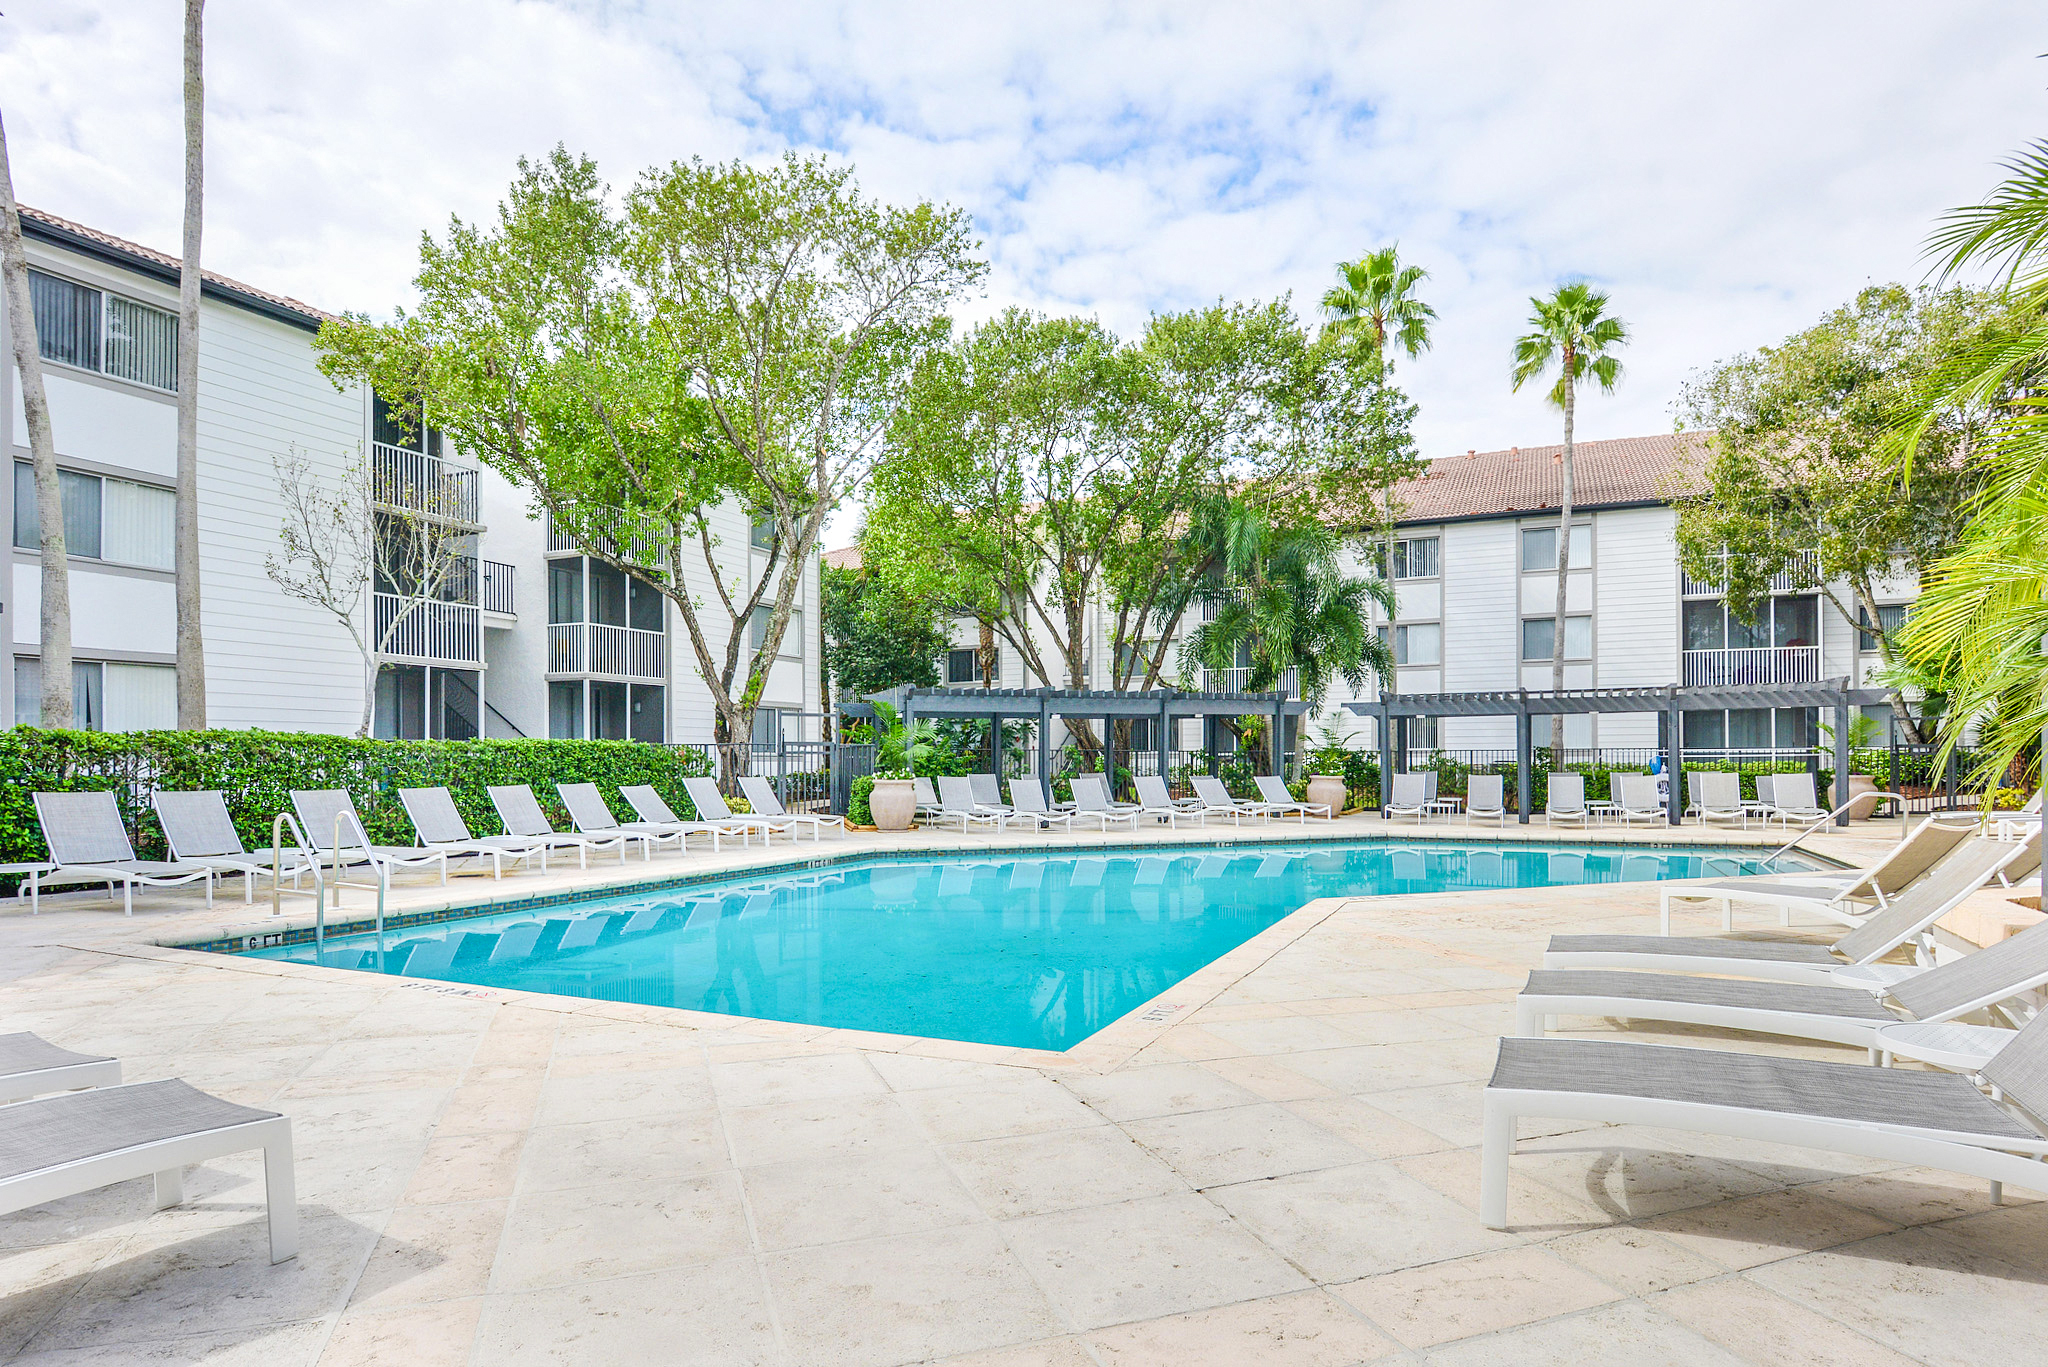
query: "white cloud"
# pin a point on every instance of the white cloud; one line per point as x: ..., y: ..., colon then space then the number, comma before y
x: 1727, y: 171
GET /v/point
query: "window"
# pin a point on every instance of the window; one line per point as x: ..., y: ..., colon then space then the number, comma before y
x: 767, y: 729
x: 1416, y: 558
x: 104, y: 519
x: 650, y: 711
x: 394, y: 426
x: 643, y: 605
x: 1422, y: 733
x: 607, y: 595
x: 1706, y: 730
x: 1890, y: 617
x: 1539, y: 638
x: 565, y: 604
x: 104, y: 697
x: 1706, y: 627
x: 792, y: 635
x: 1539, y: 547
x: 762, y: 534
x: 1780, y: 622
x: 565, y: 711
x: 1419, y: 644
x: 81, y: 326
x: 963, y: 666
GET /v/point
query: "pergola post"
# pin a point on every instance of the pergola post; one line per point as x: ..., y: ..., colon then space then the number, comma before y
x: 1279, y: 746
x: 1165, y: 731
x: 1045, y: 744
x: 1674, y: 755
x: 1841, y: 795
x: 1386, y: 753
x: 1525, y: 753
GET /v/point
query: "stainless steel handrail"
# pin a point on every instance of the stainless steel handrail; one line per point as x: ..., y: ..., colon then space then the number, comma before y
x: 1880, y: 795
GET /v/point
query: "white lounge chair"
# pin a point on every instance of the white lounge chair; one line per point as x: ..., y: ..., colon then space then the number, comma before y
x: 1716, y: 796
x: 651, y: 807
x: 1845, y: 896
x: 1410, y: 797
x: 331, y: 827
x: 956, y: 803
x: 1486, y: 796
x: 1158, y: 804
x: 711, y: 808
x: 1792, y: 800
x: 1916, y: 1119
x: 1028, y: 805
x: 66, y: 1145
x: 1273, y: 792
x: 441, y: 827
x: 2024, y: 824
x: 1838, y: 1015
x: 927, y: 800
x: 521, y: 812
x: 199, y: 830
x: 988, y: 791
x: 1091, y: 801
x: 1565, y: 799
x: 1909, y: 916
x: 32, y: 1066
x: 1635, y: 798
x: 1216, y: 798
x: 761, y: 797
x: 594, y: 820
x: 88, y: 844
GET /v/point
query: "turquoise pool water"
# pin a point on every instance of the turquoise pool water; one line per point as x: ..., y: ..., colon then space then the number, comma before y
x: 1039, y: 951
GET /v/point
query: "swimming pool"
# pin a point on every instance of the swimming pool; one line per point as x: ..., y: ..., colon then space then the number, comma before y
x: 1033, y: 950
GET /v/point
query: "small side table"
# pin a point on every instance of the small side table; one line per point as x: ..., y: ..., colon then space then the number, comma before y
x: 29, y: 888
x: 1945, y: 1044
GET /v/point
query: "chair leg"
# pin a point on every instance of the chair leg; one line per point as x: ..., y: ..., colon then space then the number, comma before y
x: 280, y: 1192
x: 1498, y: 1141
x: 170, y: 1188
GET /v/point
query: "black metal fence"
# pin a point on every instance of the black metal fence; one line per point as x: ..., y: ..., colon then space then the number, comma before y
x: 807, y: 775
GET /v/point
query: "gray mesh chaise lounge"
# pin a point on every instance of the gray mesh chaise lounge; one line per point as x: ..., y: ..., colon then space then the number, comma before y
x: 64, y: 1145
x: 988, y: 791
x: 1273, y: 792
x: 957, y: 803
x: 1845, y: 896
x: 593, y: 818
x: 1486, y: 796
x: 1028, y: 805
x: 520, y: 810
x: 32, y: 1066
x: 333, y: 831
x: 1091, y: 803
x: 1635, y: 798
x: 1216, y: 799
x: 88, y: 844
x: 1840, y: 1015
x: 1936, y: 1120
x: 1564, y: 799
x: 711, y: 808
x: 761, y: 797
x: 1961, y: 872
x: 1410, y: 797
x: 440, y: 826
x: 199, y: 831
x: 1156, y: 802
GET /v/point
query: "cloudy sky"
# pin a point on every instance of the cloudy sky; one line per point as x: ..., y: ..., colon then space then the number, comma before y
x: 1727, y: 171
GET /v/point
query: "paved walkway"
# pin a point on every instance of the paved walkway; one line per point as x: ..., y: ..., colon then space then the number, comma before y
x: 1284, y: 1172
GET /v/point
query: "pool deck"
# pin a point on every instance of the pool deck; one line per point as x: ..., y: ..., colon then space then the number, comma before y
x: 1276, y: 1162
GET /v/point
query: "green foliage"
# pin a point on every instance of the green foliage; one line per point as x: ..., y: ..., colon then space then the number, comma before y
x: 918, y: 749
x: 256, y: 771
x: 1373, y: 304
x: 876, y: 635
x: 858, y: 813
x: 1573, y: 331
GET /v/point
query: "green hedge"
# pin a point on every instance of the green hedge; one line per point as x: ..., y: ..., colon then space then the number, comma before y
x: 256, y: 771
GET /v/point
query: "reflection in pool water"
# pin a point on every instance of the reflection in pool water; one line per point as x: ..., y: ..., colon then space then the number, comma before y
x: 1033, y: 950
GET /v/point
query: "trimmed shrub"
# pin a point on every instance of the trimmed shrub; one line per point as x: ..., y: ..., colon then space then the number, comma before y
x: 256, y: 771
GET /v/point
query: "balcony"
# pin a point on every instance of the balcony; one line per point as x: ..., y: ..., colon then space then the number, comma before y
x: 642, y: 551
x: 407, y: 481
x: 494, y: 587
x: 600, y: 651
x: 1803, y: 575
x: 428, y: 631
x: 1239, y: 681
x: 1753, y: 665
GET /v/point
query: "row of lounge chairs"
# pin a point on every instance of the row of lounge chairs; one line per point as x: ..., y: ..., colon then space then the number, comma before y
x: 1985, y: 1115
x: 975, y: 800
x: 1716, y: 796
x: 88, y: 843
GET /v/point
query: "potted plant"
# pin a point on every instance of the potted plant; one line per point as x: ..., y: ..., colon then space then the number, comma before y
x: 893, y: 802
x: 1326, y: 785
x: 1862, y: 735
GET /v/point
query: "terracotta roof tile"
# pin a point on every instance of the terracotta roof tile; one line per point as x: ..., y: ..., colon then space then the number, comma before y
x: 164, y: 260
x: 845, y: 558
x: 1528, y: 479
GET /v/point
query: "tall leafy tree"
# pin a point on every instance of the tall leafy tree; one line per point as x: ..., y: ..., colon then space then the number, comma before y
x: 54, y: 708
x: 732, y: 340
x: 877, y: 637
x: 1979, y: 627
x: 1800, y: 475
x: 1374, y: 312
x: 185, y: 543
x: 1573, y: 332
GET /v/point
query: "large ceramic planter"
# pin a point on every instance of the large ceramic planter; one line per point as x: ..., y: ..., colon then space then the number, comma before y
x: 1860, y: 786
x: 894, y: 803
x: 1327, y: 790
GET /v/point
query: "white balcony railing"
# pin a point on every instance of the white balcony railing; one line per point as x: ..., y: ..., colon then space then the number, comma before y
x: 428, y: 631
x: 615, y: 652
x: 1803, y: 575
x: 641, y: 550
x: 1753, y: 665
x: 416, y: 482
x: 1239, y: 681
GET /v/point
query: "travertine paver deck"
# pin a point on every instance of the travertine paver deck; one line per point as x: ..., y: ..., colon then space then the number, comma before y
x: 1283, y: 1172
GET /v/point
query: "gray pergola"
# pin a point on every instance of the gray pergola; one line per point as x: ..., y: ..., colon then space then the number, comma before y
x: 1043, y: 704
x: 1672, y: 700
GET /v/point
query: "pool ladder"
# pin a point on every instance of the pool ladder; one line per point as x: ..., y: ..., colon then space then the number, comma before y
x: 277, y: 828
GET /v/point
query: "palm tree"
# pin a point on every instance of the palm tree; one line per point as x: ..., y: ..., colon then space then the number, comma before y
x: 1282, y: 602
x: 1374, y: 303
x: 1573, y: 331
x: 185, y: 543
x: 1978, y: 630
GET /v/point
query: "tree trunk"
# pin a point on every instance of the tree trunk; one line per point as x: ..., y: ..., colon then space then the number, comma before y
x: 986, y: 653
x: 1867, y: 601
x: 55, y: 705
x: 191, y: 640
x: 1564, y: 561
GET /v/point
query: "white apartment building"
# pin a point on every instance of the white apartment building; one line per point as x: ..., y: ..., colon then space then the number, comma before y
x: 1475, y: 570
x: 529, y: 638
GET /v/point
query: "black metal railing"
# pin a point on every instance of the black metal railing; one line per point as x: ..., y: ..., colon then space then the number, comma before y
x: 495, y: 581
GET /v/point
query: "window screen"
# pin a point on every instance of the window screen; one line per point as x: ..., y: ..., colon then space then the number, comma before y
x: 142, y: 343
x: 962, y: 666
x: 67, y: 320
x: 140, y: 524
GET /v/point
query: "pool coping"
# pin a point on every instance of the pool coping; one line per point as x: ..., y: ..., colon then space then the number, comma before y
x: 1104, y: 1051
